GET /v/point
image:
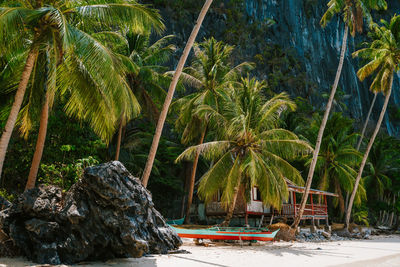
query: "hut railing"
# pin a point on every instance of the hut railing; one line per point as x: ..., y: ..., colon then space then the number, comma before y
x: 310, y: 209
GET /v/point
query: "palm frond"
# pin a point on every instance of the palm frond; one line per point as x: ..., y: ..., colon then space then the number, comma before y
x: 210, y: 150
x: 136, y: 16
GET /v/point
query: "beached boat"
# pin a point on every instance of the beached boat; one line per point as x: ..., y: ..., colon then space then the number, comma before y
x: 176, y: 221
x: 227, y: 233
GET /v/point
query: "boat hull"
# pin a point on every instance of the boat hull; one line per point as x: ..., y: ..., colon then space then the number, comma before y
x: 176, y: 221
x: 225, y: 235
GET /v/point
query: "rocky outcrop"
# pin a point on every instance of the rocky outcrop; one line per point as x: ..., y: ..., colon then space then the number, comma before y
x: 107, y: 214
x: 296, y: 29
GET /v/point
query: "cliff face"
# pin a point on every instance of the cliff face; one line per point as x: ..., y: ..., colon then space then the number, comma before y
x: 297, y: 26
x: 296, y: 31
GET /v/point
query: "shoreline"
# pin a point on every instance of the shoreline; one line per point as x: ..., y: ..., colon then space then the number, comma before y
x: 378, y: 251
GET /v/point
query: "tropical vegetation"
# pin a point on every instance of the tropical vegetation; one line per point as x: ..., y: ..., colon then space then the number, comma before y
x: 211, y: 74
x: 252, y: 151
x: 85, y: 82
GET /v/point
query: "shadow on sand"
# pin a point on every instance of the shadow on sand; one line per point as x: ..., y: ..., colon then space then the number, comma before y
x: 128, y: 262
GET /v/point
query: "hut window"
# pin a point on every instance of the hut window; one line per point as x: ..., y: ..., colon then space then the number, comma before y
x: 256, y: 194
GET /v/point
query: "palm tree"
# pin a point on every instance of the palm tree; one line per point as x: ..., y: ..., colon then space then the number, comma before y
x: 380, y: 180
x: 170, y: 94
x: 366, y: 122
x: 337, y: 158
x: 353, y: 12
x: 145, y: 73
x: 380, y: 165
x: 253, y: 150
x: 211, y: 74
x: 383, y: 55
x: 55, y: 29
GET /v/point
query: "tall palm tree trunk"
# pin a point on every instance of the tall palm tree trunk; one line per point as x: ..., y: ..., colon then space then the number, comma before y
x: 37, y: 156
x: 366, y: 122
x: 193, y: 177
x: 231, y: 208
x: 364, y: 160
x: 170, y: 94
x: 321, y: 130
x: 361, y: 138
x: 19, y: 97
x: 119, y: 140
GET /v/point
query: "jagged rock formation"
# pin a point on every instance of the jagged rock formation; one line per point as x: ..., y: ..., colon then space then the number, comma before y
x: 107, y: 214
x: 296, y: 29
x: 297, y: 26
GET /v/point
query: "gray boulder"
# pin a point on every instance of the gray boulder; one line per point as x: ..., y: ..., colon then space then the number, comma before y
x: 106, y: 214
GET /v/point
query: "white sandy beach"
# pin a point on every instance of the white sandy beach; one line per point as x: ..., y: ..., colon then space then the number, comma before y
x: 380, y: 251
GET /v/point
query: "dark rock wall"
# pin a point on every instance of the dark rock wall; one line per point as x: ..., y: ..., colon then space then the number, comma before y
x: 297, y: 27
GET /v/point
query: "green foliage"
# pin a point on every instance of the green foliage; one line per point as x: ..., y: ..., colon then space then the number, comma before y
x: 338, y: 159
x: 6, y: 195
x: 381, y: 55
x: 339, y: 104
x: 251, y: 149
x: 381, y: 175
x: 284, y: 69
x: 70, y: 62
x: 65, y: 175
x: 353, y: 12
x: 144, y: 67
x: 66, y: 142
x: 361, y: 217
x: 211, y: 74
x: 256, y: 140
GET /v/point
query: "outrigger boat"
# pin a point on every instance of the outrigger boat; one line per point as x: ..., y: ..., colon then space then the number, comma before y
x: 227, y: 233
x: 176, y: 221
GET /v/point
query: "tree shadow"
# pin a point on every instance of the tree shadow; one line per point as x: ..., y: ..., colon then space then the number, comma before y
x: 198, y: 261
x: 284, y: 250
x: 125, y: 262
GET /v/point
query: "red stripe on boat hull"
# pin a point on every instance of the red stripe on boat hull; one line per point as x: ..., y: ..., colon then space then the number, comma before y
x: 226, y: 237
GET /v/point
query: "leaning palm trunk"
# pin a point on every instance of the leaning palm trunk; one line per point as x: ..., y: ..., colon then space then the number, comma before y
x: 170, y: 94
x: 37, y: 156
x: 193, y: 178
x: 366, y: 122
x: 364, y: 160
x: 321, y: 131
x: 361, y: 138
x: 232, y: 205
x: 119, y: 140
x: 19, y: 97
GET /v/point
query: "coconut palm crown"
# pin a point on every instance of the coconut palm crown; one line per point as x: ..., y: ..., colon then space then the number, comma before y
x: 353, y: 11
x: 60, y: 54
x: 383, y: 55
x: 253, y: 150
x: 210, y: 74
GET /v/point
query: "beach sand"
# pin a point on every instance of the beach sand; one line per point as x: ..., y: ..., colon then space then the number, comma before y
x: 380, y: 251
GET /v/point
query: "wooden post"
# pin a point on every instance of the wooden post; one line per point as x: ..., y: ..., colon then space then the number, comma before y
x: 313, y: 228
x: 312, y: 206
x: 294, y: 203
x: 326, y: 211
